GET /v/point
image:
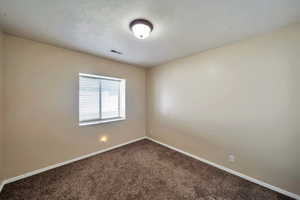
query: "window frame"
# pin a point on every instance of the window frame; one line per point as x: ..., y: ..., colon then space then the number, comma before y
x: 122, y: 116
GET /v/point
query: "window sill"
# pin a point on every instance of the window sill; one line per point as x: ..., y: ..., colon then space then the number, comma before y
x: 101, y: 122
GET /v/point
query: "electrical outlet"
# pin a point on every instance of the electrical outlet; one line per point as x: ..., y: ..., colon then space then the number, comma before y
x: 231, y: 158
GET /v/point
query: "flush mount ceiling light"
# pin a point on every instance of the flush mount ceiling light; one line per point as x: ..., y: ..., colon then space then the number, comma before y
x: 141, y: 28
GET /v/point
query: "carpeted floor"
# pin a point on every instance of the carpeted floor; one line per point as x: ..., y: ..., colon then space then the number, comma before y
x: 142, y: 170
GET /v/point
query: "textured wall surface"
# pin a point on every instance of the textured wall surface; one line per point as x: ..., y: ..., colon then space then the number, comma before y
x: 1, y: 106
x: 41, y: 104
x: 241, y: 99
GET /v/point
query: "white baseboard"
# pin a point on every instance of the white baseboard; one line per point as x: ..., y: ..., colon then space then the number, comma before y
x: 28, y: 174
x: 274, y: 188
x: 1, y: 185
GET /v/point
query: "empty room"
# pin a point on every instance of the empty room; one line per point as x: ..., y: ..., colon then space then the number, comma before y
x: 150, y: 100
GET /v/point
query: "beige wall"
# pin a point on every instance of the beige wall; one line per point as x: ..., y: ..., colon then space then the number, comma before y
x: 241, y: 99
x: 1, y: 106
x: 41, y: 104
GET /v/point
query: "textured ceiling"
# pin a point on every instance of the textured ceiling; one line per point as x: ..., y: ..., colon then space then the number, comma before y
x: 181, y: 27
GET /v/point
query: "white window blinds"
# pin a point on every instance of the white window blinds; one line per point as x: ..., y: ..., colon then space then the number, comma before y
x: 110, y: 99
x: 101, y: 98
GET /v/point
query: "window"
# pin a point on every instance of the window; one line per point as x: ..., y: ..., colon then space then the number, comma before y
x: 101, y: 99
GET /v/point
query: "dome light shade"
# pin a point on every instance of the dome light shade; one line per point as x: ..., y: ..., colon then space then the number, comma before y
x: 141, y: 28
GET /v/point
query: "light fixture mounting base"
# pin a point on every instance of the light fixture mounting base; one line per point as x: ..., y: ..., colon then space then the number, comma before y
x: 141, y: 21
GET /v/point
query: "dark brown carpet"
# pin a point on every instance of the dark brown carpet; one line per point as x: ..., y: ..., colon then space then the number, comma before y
x: 143, y: 170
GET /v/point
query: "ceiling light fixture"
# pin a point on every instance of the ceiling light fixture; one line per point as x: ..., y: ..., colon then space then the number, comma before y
x: 141, y: 28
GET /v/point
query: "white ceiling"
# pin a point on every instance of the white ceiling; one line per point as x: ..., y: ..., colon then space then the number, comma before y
x: 181, y: 27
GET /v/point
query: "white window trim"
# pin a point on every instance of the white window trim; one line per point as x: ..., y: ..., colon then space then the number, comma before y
x: 108, y: 120
x: 89, y: 123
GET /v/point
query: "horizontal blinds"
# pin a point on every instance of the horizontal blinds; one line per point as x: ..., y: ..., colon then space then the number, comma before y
x: 89, y: 98
x: 110, y: 98
x: 99, y: 98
